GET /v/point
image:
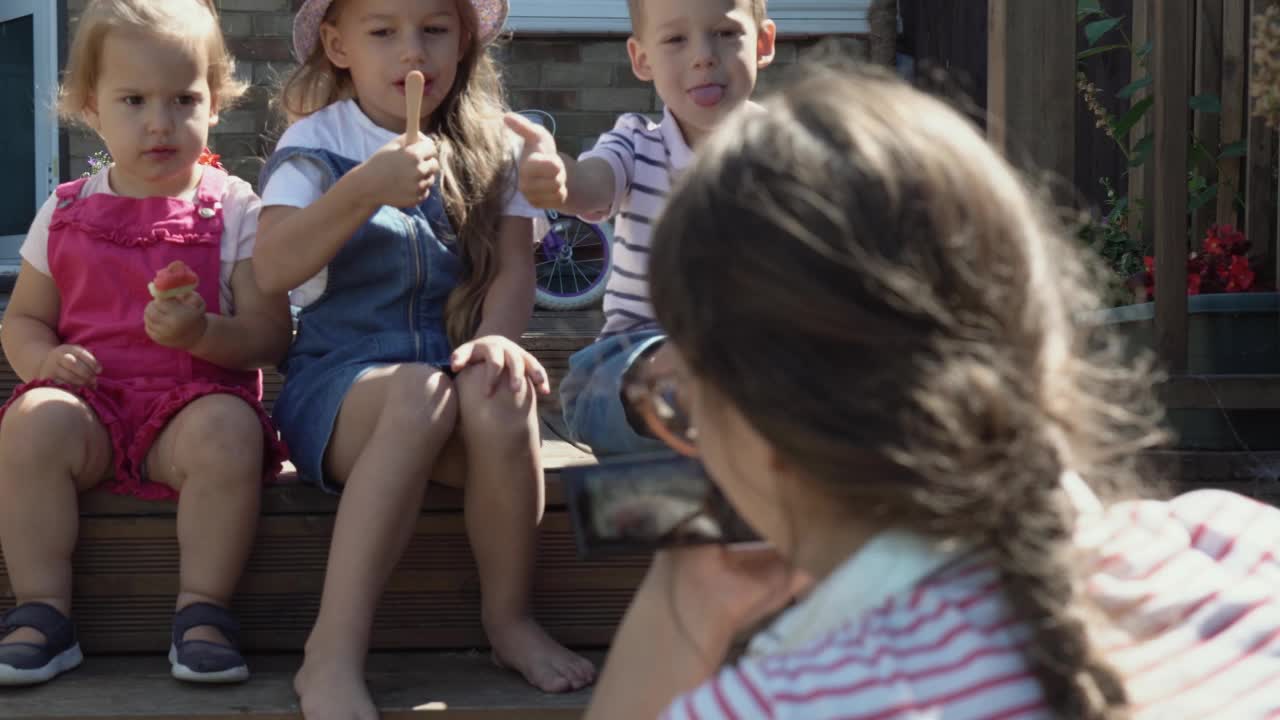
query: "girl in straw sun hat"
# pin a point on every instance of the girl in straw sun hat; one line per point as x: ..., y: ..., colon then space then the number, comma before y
x: 408, y: 253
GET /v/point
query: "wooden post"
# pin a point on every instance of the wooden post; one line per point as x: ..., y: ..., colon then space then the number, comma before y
x: 1141, y: 178
x: 1260, y: 197
x: 882, y: 17
x: 1031, y: 84
x: 1171, y: 68
x: 1208, y: 81
x: 1235, y: 68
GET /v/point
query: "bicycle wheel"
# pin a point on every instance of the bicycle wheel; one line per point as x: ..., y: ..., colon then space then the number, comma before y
x: 572, y: 261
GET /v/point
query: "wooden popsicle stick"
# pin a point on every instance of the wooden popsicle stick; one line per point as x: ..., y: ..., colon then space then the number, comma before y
x: 413, y: 83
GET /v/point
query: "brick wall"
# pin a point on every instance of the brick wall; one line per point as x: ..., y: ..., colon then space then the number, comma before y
x: 587, y: 82
x: 584, y: 82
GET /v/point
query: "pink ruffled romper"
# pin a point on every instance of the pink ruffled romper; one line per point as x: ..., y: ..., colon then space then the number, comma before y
x: 103, y: 250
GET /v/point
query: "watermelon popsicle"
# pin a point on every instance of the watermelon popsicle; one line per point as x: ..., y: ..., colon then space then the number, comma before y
x: 173, y: 281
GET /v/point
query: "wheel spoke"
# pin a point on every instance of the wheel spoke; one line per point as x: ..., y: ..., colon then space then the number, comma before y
x: 558, y: 276
x: 591, y: 272
x: 565, y: 273
x: 578, y: 272
x: 582, y: 231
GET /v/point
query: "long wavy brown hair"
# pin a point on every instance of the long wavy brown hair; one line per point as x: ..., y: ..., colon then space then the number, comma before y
x: 475, y: 159
x: 874, y: 289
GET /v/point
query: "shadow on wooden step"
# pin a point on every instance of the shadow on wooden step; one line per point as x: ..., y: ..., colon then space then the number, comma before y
x: 126, y: 577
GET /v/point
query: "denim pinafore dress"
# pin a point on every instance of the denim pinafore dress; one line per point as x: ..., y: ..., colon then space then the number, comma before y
x: 383, y: 304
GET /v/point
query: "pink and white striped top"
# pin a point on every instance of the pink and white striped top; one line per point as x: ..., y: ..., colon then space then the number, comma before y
x: 1190, y: 591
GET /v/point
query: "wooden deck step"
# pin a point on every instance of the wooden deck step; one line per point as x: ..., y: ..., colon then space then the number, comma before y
x: 444, y: 686
x: 126, y: 572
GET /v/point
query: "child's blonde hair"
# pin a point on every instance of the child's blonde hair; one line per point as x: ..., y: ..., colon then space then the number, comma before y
x: 475, y: 158
x: 928, y: 346
x: 759, y: 11
x: 194, y: 21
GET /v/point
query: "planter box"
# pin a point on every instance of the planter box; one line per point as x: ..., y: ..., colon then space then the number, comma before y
x: 1227, y: 334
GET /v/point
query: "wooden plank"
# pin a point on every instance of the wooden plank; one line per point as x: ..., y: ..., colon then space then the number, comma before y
x: 1217, y: 467
x: 1235, y: 69
x: 1171, y: 66
x: 1227, y: 392
x: 1031, y: 84
x: 1141, y: 178
x: 882, y: 18
x: 1260, y: 193
x: 1208, y: 81
x: 566, y: 322
x: 126, y: 574
x: 447, y: 686
x: 1254, y: 474
x: 1259, y: 185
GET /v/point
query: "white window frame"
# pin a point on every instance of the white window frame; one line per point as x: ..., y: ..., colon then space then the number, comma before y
x: 590, y: 17
x: 44, y: 28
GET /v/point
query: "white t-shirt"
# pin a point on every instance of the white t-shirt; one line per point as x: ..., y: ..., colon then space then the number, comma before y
x: 341, y: 128
x: 240, y: 208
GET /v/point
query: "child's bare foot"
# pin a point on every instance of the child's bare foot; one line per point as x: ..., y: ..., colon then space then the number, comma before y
x: 522, y: 645
x: 329, y: 690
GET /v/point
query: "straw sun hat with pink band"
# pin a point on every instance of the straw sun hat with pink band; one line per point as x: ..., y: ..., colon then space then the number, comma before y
x: 306, y: 24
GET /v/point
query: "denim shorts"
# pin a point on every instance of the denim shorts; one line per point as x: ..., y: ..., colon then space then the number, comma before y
x: 591, y: 394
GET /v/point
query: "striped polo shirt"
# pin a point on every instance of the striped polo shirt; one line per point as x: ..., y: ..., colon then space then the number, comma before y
x: 1189, y: 591
x: 646, y: 158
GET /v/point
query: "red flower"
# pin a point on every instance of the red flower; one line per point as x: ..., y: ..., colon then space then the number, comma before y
x: 1221, y: 265
x: 208, y: 158
x: 1213, y: 245
x: 1240, y: 276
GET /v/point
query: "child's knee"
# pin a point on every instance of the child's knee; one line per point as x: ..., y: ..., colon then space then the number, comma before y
x: 218, y: 431
x: 42, y: 425
x: 504, y: 412
x: 421, y: 399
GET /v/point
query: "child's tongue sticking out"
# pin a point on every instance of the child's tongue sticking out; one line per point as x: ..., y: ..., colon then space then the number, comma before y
x: 707, y: 95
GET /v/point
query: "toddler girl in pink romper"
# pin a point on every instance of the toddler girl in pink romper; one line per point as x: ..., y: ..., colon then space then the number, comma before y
x: 143, y: 396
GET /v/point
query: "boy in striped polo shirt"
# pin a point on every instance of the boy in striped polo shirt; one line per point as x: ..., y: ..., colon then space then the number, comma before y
x: 702, y: 57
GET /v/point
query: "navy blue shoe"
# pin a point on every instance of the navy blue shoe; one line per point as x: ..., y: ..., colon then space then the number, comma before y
x: 31, y: 663
x: 201, y: 661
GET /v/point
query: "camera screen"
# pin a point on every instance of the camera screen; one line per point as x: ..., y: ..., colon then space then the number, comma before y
x: 649, y: 503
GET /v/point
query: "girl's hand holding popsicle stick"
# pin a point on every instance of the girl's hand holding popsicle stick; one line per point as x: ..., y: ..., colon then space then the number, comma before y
x: 402, y: 172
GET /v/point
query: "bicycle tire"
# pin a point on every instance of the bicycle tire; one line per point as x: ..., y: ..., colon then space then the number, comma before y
x: 554, y: 291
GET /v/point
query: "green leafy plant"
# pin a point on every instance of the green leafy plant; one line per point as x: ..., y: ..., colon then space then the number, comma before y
x: 1117, y: 235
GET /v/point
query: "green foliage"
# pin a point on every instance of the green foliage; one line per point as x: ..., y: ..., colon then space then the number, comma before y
x: 1127, y: 91
x: 1113, y: 235
x: 1206, y: 103
x: 1094, y: 31
x: 1117, y: 235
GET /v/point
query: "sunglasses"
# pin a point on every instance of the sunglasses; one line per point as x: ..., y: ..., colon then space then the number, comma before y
x: 656, y: 398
